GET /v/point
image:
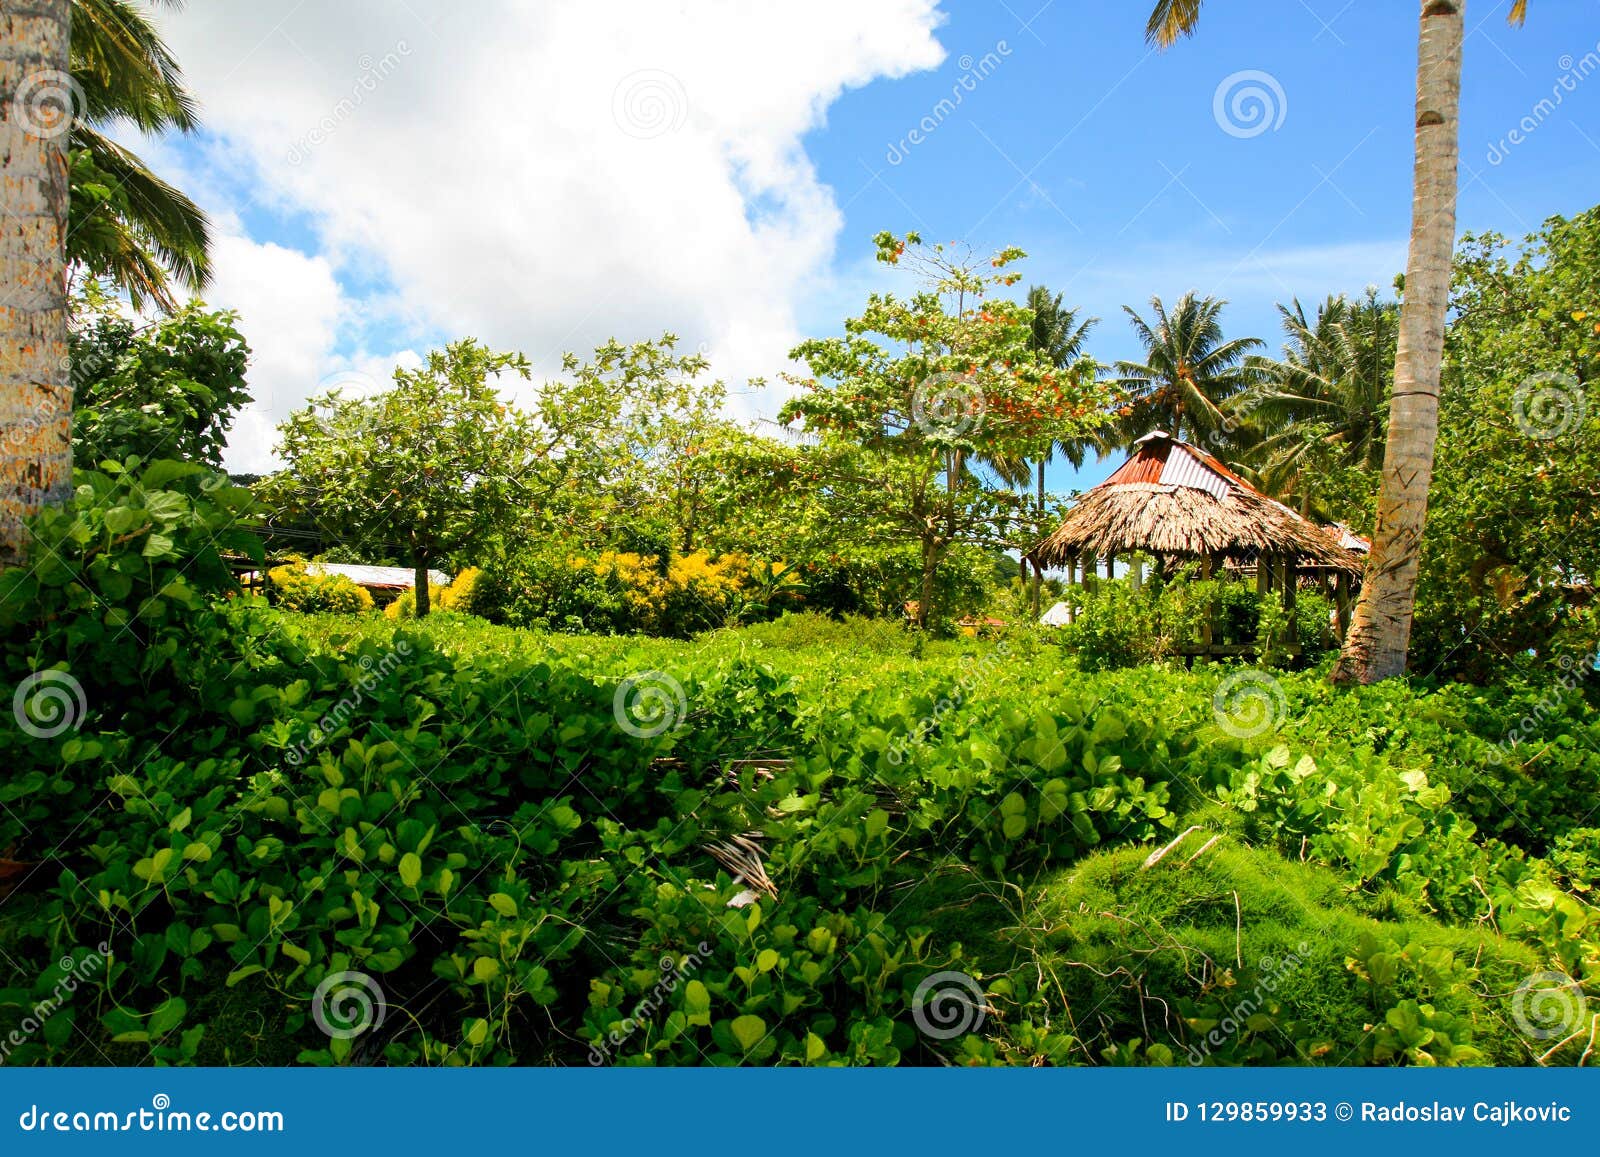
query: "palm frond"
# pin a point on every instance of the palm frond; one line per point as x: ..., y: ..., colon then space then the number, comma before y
x: 1171, y: 20
x: 157, y: 214
x: 125, y: 70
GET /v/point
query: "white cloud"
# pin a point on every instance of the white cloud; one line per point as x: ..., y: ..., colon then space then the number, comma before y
x: 541, y: 176
x: 289, y: 305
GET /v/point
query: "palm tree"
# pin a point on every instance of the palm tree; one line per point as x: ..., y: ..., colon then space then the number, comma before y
x: 1060, y: 337
x: 127, y: 223
x: 35, y: 391
x: 1321, y: 406
x: 1189, y: 371
x: 1380, y: 631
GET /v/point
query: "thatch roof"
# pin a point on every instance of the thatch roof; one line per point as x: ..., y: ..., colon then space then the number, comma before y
x: 1173, y: 499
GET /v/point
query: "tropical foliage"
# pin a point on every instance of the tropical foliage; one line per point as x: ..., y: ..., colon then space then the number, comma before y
x: 129, y: 225
x: 1189, y: 371
x: 528, y: 917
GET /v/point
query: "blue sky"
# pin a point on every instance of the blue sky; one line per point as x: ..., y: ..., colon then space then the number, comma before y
x: 386, y: 176
x: 1103, y: 159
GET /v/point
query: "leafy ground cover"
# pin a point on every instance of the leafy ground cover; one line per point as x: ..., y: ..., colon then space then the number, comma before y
x: 235, y: 833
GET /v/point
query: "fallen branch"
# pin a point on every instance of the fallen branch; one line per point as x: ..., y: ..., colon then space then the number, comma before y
x: 1154, y: 858
x: 741, y: 856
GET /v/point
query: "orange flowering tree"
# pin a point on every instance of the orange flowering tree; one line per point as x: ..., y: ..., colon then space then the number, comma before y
x: 927, y: 388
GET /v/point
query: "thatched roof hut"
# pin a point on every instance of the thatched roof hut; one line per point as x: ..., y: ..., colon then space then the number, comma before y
x: 1173, y: 500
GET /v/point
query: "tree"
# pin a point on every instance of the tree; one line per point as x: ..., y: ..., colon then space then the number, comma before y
x: 1318, y: 412
x: 1189, y: 371
x: 129, y: 224
x: 436, y: 463
x: 169, y: 389
x: 1375, y: 647
x: 439, y: 467
x: 1509, y: 565
x: 919, y: 389
x: 35, y: 390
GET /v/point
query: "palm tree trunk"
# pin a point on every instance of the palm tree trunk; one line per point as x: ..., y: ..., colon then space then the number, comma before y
x: 1380, y: 631
x: 35, y: 383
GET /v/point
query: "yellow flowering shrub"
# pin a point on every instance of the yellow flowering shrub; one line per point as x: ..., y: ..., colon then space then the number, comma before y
x: 293, y: 588
x: 458, y: 596
x: 696, y: 592
x: 405, y: 607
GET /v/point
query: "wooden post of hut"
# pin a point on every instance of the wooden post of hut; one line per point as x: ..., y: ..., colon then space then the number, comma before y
x: 1207, y: 624
x: 1341, y: 602
x: 1291, y: 581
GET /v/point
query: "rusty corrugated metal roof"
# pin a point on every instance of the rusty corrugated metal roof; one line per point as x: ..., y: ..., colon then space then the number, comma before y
x: 1145, y: 465
x: 1186, y: 468
x: 1161, y: 458
x: 1348, y: 538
